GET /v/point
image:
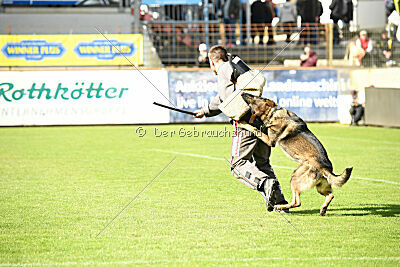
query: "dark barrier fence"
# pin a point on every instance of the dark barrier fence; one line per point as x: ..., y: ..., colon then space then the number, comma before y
x: 382, y: 106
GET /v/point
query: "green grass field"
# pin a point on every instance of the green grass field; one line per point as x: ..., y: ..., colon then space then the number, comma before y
x: 60, y: 186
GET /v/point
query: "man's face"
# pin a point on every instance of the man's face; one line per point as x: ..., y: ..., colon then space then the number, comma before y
x: 212, y: 64
x: 364, y: 36
x: 306, y: 50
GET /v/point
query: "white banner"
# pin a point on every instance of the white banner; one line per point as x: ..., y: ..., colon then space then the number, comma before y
x: 82, y: 97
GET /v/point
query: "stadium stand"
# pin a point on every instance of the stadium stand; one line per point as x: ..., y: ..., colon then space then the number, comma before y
x: 174, y: 32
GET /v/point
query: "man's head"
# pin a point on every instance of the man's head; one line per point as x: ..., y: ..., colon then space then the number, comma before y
x: 202, y: 47
x: 217, y: 55
x: 363, y: 35
x: 384, y: 35
x: 307, y: 49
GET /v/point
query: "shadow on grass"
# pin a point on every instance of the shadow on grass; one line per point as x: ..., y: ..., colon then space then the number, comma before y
x: 384, y: 210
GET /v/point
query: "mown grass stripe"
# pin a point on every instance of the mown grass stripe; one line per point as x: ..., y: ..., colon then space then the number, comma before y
x: 205, y: 261
x: 275, y: 166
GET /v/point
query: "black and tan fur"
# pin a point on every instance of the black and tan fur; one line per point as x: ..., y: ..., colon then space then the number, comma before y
x: 299, y: 143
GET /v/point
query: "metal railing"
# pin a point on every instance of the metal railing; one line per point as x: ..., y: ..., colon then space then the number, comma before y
x: 177, y: 43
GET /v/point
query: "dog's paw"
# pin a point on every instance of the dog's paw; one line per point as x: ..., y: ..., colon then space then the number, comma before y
x: 323, y: 211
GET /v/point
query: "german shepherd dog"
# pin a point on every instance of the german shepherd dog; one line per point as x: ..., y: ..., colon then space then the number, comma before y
x: 300, y: 144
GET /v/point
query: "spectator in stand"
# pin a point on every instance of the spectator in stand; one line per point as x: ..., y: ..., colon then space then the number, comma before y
x: 309, y: 58
x: 357, y: 108
x: 202, y: 59
x: 393, y: 11
x: 385, y: 50
x: 231, y: 13
x: 364, y: 45
x: 340, y: 10
x: 262, y: 13
x: 309, y: 11
x: 389, y: 7
x: 396, y: 29
x: 337, y: 13
x: 348, y: 14
x: 288, y: 18
x: 397, y: 5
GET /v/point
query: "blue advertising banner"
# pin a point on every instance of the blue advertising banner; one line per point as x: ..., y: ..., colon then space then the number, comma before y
x: 192, y: 90
x: 171, y: 2
x: 42, y: 2
x: 311, y: 94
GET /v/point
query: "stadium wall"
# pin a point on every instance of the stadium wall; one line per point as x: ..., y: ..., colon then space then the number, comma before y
x: 24, y: 21
x: 80, y: 97
x: 382, y: 106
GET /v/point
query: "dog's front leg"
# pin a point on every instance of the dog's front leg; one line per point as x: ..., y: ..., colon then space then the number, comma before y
x: 294, y: 204
x: 265, y: 138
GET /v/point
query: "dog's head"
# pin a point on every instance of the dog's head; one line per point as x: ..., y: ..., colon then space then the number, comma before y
x: 259, y: 106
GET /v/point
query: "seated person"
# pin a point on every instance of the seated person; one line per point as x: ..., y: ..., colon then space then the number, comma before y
x: 357, y: 108
x: 364, y: 45
x: 202, y: 59
x: 309, y: 58
x: 385, y: 50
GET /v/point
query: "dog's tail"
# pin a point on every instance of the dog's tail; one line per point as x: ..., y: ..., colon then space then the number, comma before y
x: 338, y: 180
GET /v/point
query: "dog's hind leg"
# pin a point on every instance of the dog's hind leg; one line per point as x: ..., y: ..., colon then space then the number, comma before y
x: 325, y: 189
x: 328, y: 199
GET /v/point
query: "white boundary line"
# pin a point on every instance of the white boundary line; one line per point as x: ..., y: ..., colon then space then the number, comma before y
x: 204, y: 261
x: 275, y: 166
x: 362, y: 140
x: 376, y: 180
x: 188, y: 154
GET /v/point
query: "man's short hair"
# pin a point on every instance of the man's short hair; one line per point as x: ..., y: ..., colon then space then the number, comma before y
x: 218, y: 52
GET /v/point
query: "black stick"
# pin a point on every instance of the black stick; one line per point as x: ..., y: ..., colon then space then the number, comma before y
x: 175, y: 109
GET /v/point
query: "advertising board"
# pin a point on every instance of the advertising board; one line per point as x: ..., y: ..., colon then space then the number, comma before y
x: 70, y: 50
x: 82, y: 97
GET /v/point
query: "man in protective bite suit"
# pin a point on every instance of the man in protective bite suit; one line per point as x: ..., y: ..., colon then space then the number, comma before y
x: 249, y: 155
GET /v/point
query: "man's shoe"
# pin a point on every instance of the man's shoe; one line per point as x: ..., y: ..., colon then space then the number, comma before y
x: 270, y: 207
x: 269, y: 190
